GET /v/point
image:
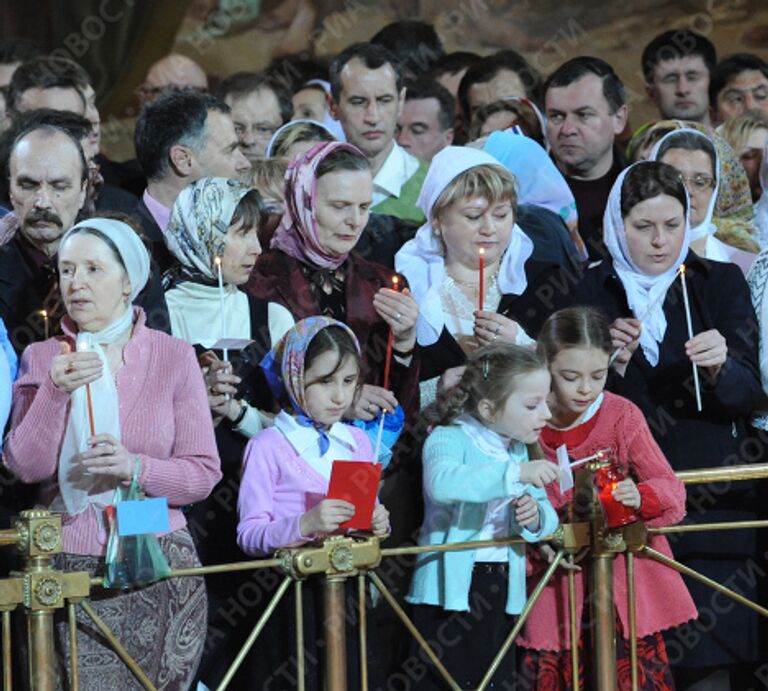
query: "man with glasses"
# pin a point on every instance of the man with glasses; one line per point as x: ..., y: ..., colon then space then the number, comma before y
x: 739, y: 83
x: 259, y: 106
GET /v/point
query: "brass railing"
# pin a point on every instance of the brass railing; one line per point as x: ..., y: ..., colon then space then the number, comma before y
x: 41, y: 590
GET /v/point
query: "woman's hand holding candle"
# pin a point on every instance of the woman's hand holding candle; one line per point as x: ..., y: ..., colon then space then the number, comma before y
x: 708, y: 349
x: 626, y: 493
x: 527, y: 512
x: 400, y: 311
x: 370, y: 401
x: 491, y: 327
x: 220, y: 386
x: 71, y: 370
x: 625, y: 337
x: 380, y: 520
x: 107, y: 456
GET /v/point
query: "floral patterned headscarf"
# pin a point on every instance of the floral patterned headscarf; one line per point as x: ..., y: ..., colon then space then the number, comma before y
x: 284, y: 367
x: 297, y: 233
x: 734, y: 215
x: 199, y: 223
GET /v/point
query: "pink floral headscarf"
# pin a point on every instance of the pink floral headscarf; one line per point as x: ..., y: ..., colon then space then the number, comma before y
x: 297, y: 233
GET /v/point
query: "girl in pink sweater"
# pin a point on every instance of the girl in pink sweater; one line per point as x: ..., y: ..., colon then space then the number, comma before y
x: 586, y: 419
x: 314, y: 371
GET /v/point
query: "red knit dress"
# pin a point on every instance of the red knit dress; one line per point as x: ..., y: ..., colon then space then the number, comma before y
x: 663, y: 600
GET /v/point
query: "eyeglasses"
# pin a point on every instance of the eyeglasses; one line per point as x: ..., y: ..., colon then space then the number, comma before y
x: 699, y: 182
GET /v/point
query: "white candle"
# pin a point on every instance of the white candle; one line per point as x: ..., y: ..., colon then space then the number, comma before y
x: 690, y: 336
x: 217, y: 260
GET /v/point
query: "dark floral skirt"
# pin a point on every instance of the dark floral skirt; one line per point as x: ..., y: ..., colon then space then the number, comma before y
x: 547, y: 670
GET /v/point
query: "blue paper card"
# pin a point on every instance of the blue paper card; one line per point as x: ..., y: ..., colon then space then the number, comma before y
x: 142, y: 517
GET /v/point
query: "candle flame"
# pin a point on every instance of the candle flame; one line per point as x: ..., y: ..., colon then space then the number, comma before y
x: 482, y: 251
x: 82, y: 346
x: 44, y: 314
x: 395, y: 281
x: 682, y: 269
x: 217, y: 261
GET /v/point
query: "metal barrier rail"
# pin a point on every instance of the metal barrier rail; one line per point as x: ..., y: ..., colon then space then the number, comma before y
x: 42, y: 590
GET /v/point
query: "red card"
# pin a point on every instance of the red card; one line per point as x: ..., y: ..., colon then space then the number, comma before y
x: 358, y: 483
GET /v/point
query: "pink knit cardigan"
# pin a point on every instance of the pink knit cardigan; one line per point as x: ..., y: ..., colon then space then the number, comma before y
x: 663, y: 600
x: 164, y: 420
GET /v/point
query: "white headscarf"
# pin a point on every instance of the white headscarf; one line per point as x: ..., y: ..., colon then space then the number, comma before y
x: 761, y: 208
x: 642, y: 289
x: 77, y: 488
x: 706, y: 229
x: 421, y: 259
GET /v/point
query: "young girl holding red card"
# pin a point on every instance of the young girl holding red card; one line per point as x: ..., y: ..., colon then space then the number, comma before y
x: 587, y: 419
x: 314, y: 371
x: 475, y: 462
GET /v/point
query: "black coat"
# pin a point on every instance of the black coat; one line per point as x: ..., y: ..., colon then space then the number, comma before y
x: 717, y: 436
x: 161, y: 255
x: 530, y: 310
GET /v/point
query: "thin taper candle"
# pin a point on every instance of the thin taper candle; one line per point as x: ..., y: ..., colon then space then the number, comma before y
x: 481, y: 285
x: 689, y: 323
x: 387, y: 367
x: 44, y: 315
x: 217, y: 260
x: 83, y: 347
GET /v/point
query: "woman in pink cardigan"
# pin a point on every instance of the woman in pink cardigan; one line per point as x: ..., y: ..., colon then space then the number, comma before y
x: 151, y: 417
x: 585, y: 419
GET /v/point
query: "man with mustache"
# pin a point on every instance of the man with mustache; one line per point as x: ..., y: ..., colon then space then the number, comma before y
x: 47, y: 174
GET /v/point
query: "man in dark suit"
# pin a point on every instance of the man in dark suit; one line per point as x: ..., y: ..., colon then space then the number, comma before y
x: 181, y: 137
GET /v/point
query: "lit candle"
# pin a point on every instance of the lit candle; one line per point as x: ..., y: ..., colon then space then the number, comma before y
x: 83, y: 347
x: 44, y: 315
x: 217, y: 260
x: 690, y: 336
x: 481, y: 287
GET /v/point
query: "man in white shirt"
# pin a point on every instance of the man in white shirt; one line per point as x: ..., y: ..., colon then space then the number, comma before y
x: 368, y: 97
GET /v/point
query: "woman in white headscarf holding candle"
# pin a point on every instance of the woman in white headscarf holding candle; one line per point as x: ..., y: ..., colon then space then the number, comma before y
x: 694, y: 155
x: 469, y: 199
x: 150, y: 418
x: 647, y: 236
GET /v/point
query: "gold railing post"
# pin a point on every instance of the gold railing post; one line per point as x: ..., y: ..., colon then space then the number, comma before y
x: 363, y: 631
x: 335, y: 634
x: 631, y: 605
x: 603, y: 620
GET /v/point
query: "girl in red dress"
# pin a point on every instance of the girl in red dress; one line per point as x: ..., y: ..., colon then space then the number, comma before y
x: 586, y: 418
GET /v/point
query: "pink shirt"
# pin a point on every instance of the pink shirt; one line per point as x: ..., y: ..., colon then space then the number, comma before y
x: 278, y: 486
x: 161, y: 214
x: 164, y: 420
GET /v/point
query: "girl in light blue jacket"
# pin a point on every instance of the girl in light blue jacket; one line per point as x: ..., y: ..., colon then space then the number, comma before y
x: 481, y: 484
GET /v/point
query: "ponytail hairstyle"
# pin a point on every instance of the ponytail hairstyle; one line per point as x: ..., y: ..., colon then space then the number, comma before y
x: 575, y: 327
x: 491, y: 374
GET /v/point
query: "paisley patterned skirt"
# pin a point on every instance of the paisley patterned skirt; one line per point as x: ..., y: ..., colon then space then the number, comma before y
x: 162, y: 626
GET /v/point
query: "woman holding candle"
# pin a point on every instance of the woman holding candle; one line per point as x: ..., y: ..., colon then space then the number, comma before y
x: 587, y: 420
x: 469, y: 199
x: 213, y: 236
x: 647, y: 235
x: 310, y: 270
x: 150, y: 415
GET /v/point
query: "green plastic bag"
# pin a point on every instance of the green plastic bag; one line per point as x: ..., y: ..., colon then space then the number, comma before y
x: 133, y: 560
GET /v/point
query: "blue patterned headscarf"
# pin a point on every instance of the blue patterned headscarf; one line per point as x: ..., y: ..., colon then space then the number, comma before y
x: 284, y: 368
x: 200, y: 220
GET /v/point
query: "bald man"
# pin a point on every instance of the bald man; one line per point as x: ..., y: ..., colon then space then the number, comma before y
x: 173, y: 71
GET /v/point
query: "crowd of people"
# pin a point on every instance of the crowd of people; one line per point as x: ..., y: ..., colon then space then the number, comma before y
x: 493, y: 261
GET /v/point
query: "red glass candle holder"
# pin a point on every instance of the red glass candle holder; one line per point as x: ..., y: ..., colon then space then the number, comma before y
x: 606, y: 480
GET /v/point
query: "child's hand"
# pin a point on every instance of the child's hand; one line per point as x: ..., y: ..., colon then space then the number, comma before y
x: 538, y: 473
x: 326, y: 517
x: 527, y: 512
x: 626, y: 493
x: 380, y: 521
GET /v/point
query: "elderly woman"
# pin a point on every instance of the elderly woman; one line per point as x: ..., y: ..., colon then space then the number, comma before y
x: 693, y: 154
x: 470, y: 199
x: 310, y: 270
x: 648, y: 236
x: 216, y: 218
x: 151, y: 421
